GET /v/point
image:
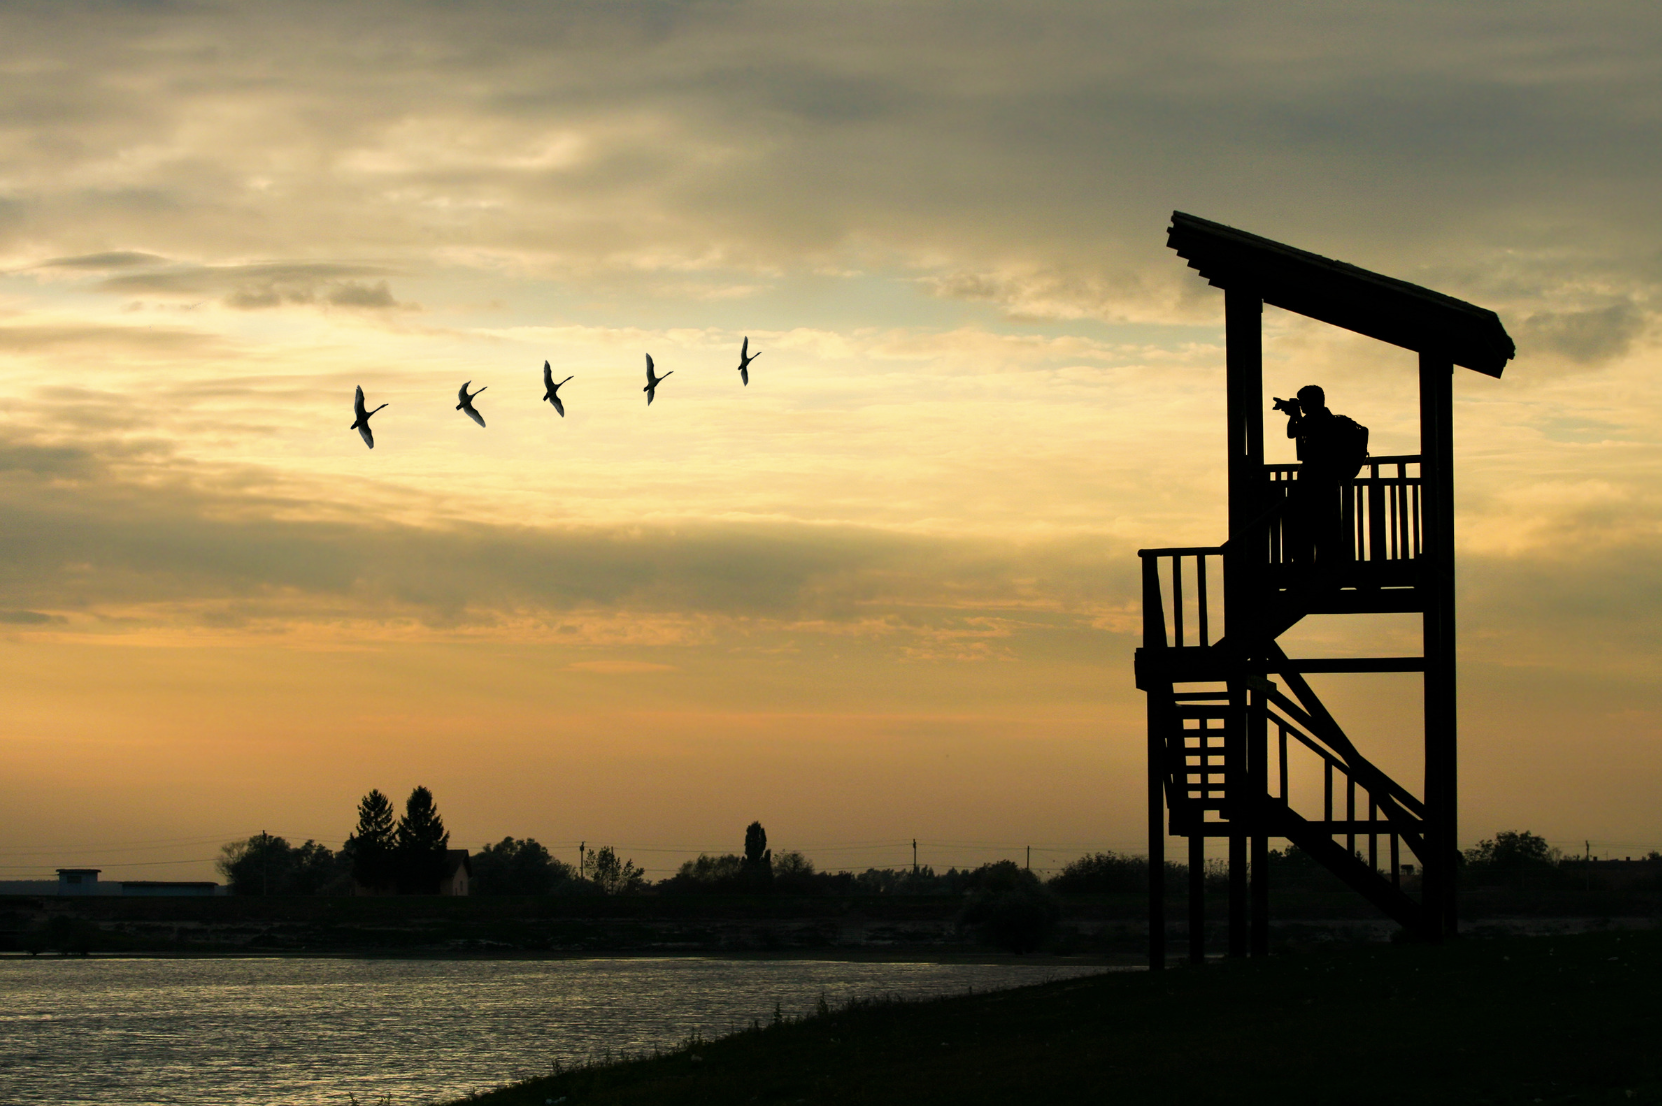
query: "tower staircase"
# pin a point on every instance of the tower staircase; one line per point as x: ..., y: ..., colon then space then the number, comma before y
x: 1232, y: 720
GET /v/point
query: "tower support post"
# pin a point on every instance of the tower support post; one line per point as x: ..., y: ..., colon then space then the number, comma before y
x: 1243, y: 326
x: 1437, y: 583
x: 1156, y: 841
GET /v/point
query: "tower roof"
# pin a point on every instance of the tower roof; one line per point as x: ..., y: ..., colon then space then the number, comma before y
x: 1333, y: 292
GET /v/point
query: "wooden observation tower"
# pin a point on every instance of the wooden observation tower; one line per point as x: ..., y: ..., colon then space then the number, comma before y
x: 1226, y: 706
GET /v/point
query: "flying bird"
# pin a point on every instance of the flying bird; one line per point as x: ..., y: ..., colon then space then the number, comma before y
x: 552, y: 390
x: 652, y: 382
x: 361, y: 423
x: 467, y: 402
x: 745, y: 358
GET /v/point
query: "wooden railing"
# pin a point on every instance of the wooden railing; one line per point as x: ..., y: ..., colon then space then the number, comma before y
x: 1191, y: 603
x: 1380, y: 511
x: 1339, y: 781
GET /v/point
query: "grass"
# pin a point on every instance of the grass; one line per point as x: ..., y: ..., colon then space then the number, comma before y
x: 1503, y: 1020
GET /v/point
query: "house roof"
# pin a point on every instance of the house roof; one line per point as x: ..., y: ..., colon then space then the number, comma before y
x: 1333, y: 292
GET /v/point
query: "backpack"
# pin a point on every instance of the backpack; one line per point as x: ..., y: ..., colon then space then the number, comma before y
x: 1350, y: 446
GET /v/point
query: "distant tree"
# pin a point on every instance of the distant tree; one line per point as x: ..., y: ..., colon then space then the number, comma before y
x: 269, y: 865
x: 614, y: 876
x: 260, y: 865
x: 756, y: 851
x: 1293, y: 870
x: 516, y: 867
x: 1009, y: 907
x: 758, y: 858
x: 1102, y: 873
x: 905, y: 881
x: 316, y: 870
x: 794, y: 873
x: 420, y: 844
x: 371, y: 848
x: 708, y: 874
x: 1513, y: 858
x: 1512, y: 849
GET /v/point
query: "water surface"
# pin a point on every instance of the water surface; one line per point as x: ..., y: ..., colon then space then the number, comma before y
x: 263, y: 1032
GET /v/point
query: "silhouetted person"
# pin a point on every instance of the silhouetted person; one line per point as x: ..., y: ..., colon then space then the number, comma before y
x: 1331, y: 449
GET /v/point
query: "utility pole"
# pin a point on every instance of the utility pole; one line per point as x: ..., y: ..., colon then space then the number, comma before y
x: 265, y: 859
x: 914, y: 856
x: 581, y: 869
x: 1030, y: 858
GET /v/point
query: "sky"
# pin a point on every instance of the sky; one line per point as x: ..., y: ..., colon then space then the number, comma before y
x: 888, y: 591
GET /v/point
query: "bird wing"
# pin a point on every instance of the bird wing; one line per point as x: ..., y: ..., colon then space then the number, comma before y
x: 474, y: 415
x: 547, y: 376
x: 558, y: 406
x: 649, y: 393
x: 745, y: 373
x: 744, y: 350
x: 363, y: 432
x: 461, y: 393
x: 358, y: 402
x: 649, y: 368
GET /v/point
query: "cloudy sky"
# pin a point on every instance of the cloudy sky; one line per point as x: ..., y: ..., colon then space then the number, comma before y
x: 887, y: 591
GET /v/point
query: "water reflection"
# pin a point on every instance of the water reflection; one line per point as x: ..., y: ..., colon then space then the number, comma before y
x: 299, y: 1031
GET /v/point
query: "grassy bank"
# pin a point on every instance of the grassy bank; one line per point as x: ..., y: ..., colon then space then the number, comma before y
x: 1505, y: 1020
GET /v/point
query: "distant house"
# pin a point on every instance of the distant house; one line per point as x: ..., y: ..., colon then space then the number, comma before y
x: 458, y: 871
x: 154, y: 887
x: 78, y: 881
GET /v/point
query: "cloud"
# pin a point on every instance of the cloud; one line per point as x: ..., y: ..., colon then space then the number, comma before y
x: 252, y: 286
x: 1025, y: 154
x: 618, y: 667
x: 152, y: 550
x: 94, y: 337
x: 28, y: 618
x: 103, y: 262
x: 1585, y: 337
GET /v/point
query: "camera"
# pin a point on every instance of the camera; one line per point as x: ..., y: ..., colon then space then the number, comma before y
x: 1287, y: 407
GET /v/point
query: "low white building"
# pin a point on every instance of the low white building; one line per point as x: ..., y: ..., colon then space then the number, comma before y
x: 82, y: 881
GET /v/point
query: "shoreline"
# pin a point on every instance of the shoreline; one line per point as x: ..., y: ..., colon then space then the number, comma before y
x: 1557, y: 1018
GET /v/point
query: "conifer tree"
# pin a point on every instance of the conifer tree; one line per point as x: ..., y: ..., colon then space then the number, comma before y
x: 421, y: 842
x: 371, y: 845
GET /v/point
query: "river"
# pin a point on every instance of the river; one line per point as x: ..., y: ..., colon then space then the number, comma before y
x: 295, y: 1031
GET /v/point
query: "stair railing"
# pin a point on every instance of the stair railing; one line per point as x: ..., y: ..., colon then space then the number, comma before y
x: 1290, y: 734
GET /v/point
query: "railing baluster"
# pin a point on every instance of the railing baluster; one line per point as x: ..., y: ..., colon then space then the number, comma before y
x: 1200, y: 597
x: 1350, y: 814
x: 1283, y: 730
x: 1378, y: 525
x: 1373, y: 838
x: 1414, y: 517
x: 1177, y: 598
x: 1154, y: 617
x: 1394, y: 523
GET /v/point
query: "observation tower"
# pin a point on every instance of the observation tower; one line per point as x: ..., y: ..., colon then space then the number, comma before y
x: 1231, y: 718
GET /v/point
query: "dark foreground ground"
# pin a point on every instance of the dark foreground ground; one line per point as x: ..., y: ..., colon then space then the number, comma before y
x: 1501, y: 1020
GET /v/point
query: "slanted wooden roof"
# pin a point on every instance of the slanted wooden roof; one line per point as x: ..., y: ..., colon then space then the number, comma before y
x: 1318, y: 287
